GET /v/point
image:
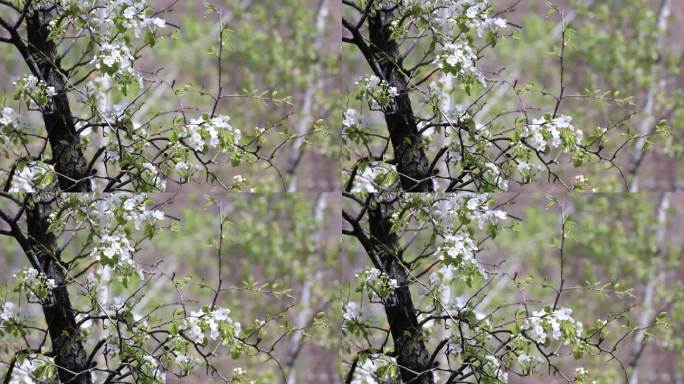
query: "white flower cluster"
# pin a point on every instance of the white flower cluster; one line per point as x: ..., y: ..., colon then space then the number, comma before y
x: 449, y: 21
x: 96, y: 94
x: 449, y: 15
x: 37, y: 285
x: 352, y: 118
x: 351, y: 311
x: 473, y: 207
x: 205, y: 132
x: 8, y: 118
x: 115, y: 251
x: 105, y: 211
x: 108, y: 215
x: 378, y: 90
x: 211, y: 325
x: 185, y: 363
x: 37, y: 92
x: 523, y: 167
x: 528, y: 361
x: 494, y: 369
x: 493, y: 175
x: 33, y: 369
x: 377, y: 282
x: 30, y: 178
x: 239, y: 373
x: 458, y: 250
x: 554, y: 132
x: 96, y: 89
x: 374, y: 177
x: 455, y: 113
x: 375, y: 369
x: 152, y: 371
x: 8, y: 313
x: 459, y: 58
x: 135, y: 17
x: 107, y: 19
x: 546, y: 323
x: 116, y: 60
x: 582, y: 375
x: 477, y: 16
x: 580, y: 180
x: 132, y: 16
x: 477, y: 209
x: 151, y: 175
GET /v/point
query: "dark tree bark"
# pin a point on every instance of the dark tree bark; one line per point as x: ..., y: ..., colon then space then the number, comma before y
x: 69, y: 161
x: 409, y: 346
x: 69, y: 353
x: 412, y: 162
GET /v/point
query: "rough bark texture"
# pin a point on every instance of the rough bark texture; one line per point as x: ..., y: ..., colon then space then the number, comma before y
x: 68, y: 158
x: 412, y: 355
x: 412, y: 163
x: 69, y: 353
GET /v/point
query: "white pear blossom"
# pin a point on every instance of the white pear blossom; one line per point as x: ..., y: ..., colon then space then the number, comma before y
x: 116, y: 251
x: 376, y: 176
x: 524, y: 358
x: 35, y: 283
x: 115, y: 59
x: 8, y: 313
x: 478, y: 209
x: 33, y: 369
x: 153, y: 176
x: 379, y: 91
x: 377, y: 282
x: 493, y: 175
x: 523, y: 167
x: 371, y: 275
x: 473, y: 14
x: 352, y: 118
x: 205, y: 325
x: 108, y: 215
x: 351, y: 311
x: 152, y: 370
x: 494, y: 368
x: 8, y: 117
x: 134, y: 13
x: 459, y: 59
x: 130, y: 207
x: 26, y: 180
x: 182, y: 359
x: 204, y: 132
x: 369, y: 370
x: 545, y: 323
x: 552, y: 132
x: 458, y: 249
x: 36, y: 91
